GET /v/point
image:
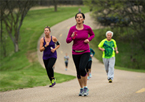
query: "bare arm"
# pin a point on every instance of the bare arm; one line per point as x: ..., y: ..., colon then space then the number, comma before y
x: 116, y: 50
x: 41, y: 45
x: 102, y: 49
x: 55, y: 40
x: 42, y: 48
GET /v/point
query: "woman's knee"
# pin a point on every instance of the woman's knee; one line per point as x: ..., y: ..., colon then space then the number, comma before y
x: 49, y: 68
x: 79, y: 76
x: 82, y: 71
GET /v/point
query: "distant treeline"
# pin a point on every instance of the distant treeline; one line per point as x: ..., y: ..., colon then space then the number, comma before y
x: 60, y: 2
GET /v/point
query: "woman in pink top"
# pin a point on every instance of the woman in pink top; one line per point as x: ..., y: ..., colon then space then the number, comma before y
x: 79, y: 34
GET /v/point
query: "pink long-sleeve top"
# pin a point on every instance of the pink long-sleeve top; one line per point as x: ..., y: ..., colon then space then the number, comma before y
x: 78, y: 42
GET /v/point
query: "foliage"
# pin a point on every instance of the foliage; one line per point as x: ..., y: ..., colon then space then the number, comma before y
x: 12, y: 16
x: 126, y: 18
x: 126, y: 11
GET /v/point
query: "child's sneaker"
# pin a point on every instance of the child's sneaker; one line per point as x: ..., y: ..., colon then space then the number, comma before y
x: 81, y: 92
x: 86, y: 91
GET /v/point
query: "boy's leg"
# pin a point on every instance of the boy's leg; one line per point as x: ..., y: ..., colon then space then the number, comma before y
x: 90, y: 65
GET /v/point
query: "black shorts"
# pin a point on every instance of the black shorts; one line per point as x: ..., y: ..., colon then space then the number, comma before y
x: 89, y: 65
x: 66, y: 64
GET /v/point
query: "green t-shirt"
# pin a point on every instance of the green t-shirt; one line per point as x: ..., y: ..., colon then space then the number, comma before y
x: 109, y: 48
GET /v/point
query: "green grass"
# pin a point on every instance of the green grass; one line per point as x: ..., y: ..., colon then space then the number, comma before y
x: 31, y: 76
x: 22, y: 69
x: 123, y: 59
x: 128, y: 69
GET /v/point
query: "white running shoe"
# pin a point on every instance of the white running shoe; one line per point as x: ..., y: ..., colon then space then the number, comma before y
x: 86, y: 91
x: 81, y: 92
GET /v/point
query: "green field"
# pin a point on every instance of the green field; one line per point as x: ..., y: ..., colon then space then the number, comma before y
x: 22, y: 69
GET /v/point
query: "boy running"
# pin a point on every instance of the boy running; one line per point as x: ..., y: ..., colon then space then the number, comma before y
x: 66, y: 58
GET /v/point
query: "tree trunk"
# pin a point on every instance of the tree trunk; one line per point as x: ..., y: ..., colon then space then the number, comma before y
x: 16, y: 47
x: 1, y: 40
x: 55, y: 5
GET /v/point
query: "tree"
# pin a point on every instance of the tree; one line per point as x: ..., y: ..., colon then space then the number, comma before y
x: 2, y: 43
x: 128, y: 18
x: 124, y: 12
x: 55, y: 5
x: 14, y: 12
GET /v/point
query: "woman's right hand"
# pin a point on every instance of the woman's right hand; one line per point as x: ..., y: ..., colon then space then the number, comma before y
x: 47, y: 43
x: 72, y: 34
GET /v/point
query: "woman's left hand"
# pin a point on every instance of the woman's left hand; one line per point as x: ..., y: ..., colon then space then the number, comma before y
x: 86, y: 41
x: 52, y: 50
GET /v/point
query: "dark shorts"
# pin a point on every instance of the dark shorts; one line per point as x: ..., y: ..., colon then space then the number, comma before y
x: 66, y: 64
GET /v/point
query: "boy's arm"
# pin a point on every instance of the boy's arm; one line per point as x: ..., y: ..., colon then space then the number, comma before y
x: 93, y: 52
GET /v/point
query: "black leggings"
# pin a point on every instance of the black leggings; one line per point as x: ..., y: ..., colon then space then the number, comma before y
x: 80, y: 63
x: 48, y: 65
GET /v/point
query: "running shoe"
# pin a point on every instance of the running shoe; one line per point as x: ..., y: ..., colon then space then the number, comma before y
x: 90, y: 75
x: 53, y: 81
x: 81, y: 92
x: 50, y: 85
x: 65, y: 69
x: 86, y: 91
x: 110, y: 80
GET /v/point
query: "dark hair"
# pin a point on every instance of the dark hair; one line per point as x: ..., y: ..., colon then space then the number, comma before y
x: 80, y: 13
x: 48, y: 28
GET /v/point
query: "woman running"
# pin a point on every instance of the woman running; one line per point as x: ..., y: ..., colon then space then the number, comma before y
x: 80, y: 50
x: 47, y: 45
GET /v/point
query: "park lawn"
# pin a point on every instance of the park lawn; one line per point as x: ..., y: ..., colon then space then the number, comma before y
x: 123, y: 60
x: 22, y: 69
